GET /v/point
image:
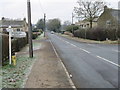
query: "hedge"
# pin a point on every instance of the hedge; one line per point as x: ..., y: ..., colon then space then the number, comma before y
x: 99, y: 34
x: 17, y: 44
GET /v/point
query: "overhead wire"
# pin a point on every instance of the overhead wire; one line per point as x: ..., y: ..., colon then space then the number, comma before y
x: 41, y: 7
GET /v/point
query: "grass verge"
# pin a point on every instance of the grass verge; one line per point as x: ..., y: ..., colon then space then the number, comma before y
x: 13, y: 76
x: 90, y: 41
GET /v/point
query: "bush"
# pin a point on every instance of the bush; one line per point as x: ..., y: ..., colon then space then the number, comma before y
x: 68, y: 33
x: 98, y: 33
x: 35, y: 35
x: 112, y: 33
x: 70, y: 27
x: 81, y: 33
x: 17, y: 44
x: 5, y: 48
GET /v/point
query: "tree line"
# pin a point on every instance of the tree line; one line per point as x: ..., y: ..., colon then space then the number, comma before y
x: 51, y: 25
x: 86, y: 10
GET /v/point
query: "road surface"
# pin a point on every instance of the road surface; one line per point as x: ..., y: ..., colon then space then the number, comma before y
x: 91, y: 65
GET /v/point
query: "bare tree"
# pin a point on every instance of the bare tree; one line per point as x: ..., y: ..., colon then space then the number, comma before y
x: 89, y: 9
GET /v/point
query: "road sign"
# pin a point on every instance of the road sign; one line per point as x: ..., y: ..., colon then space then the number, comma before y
x: 9, y: 30
x: 18, y: 34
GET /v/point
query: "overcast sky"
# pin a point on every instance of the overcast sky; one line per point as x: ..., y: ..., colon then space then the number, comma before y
x: 61, y: 9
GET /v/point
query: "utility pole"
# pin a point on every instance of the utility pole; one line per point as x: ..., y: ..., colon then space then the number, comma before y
x: 44, y: 23
x: 72, y: 23
x: 30, y: 29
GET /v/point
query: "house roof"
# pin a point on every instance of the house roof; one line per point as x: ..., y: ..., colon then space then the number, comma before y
x: 12, y: 23
x: 86, y: 20
x: 116, y: 14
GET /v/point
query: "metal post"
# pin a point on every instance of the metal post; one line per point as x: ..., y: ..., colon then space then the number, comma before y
x: 44, y: 23
x: 30, y: 29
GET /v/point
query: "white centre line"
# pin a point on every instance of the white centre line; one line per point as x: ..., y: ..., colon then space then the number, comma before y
x: 108, y: 61
x: 90, y: 52
x: 102, y: 47
x: 73, y: 45
x: 116, y: 51
x: 86, y: 51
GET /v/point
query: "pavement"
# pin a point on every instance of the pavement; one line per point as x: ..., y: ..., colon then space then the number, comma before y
x: 48, y: 70
x: 91, y: 65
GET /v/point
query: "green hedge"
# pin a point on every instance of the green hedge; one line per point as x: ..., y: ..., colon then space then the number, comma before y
x: 99, y: 34
x: 17, y: 44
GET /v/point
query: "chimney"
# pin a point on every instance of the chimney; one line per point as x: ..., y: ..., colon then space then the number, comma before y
x: 3, y: 18
x: 105, y: 8
x: 24, y: 19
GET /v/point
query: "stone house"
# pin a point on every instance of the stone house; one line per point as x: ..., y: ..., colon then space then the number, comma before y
x: 109, y: 18
x: 16, y: 25
x: 86, y: 24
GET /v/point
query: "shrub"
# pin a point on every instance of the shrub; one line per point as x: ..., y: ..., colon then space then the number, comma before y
x: 112, y: 33
x: 81, y: 33
x: 17, y: 44
x: 70, y: 27
x: 98, y: 33
x: 5, y: 48
x: 68, y: 33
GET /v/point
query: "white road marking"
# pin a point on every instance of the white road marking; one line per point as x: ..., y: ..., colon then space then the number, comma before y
x: 102, y: 47
x: 73, y: 45
x: 116, y: 51
x: 90, y: 52
x: 91, y: 45
x: 67, y: 73
x: 66, y: 41
x: 108, y: 61
x: 86, y: 51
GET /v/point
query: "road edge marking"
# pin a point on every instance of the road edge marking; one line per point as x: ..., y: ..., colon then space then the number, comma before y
x: 67, y: 73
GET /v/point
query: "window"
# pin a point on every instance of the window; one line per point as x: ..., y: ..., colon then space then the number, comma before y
x: 18, y: 29
x: 108, y: 22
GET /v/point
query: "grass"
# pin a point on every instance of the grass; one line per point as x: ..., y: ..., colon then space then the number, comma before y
x: 40, y: 36
x: 13, y: 76
x: 91, y: 41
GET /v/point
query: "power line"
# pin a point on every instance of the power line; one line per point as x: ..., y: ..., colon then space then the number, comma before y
x: 41, y: 6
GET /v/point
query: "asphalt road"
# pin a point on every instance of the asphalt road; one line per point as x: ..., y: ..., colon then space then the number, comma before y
x: 91, y: 65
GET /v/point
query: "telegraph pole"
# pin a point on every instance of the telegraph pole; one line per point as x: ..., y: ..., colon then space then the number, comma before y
x: 72, y: 23
x: 44, y: 23
x: 30, y: 29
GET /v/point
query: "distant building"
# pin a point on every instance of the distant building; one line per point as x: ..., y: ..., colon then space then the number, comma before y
x: 109, y: 18
x: 16, y: 25
x: 86, y: 24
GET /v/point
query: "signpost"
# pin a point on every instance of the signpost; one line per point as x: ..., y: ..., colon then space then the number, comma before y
x: 16, y: 34
x: 10, y: 54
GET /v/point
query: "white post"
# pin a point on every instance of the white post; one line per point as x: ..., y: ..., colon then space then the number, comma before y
x: 10, y: 48
x: 10, y: 61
